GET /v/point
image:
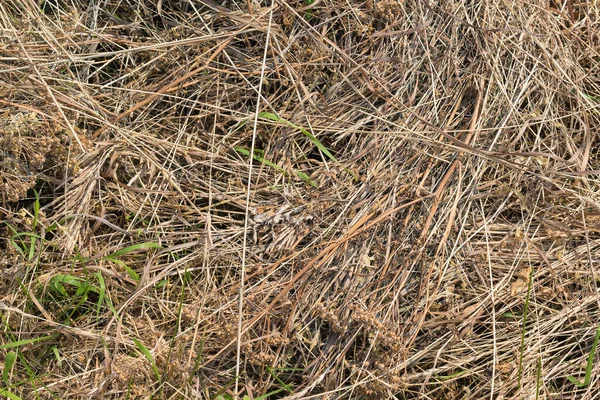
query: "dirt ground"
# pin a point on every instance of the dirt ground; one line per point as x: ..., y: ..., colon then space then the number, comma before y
x: 300, y: 199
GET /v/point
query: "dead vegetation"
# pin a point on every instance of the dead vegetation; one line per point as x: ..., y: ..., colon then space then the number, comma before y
x: 419, y: 218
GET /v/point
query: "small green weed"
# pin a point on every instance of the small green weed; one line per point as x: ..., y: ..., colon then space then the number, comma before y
x: 308, y: 13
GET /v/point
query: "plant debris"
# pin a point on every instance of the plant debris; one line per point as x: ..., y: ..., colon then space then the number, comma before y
x: 299, y: 199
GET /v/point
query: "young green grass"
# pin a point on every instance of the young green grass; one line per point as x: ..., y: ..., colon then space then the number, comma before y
x: 9, y: 395
x: 310, y: 136
x: 9, y: 361
x: 259, y: 156
x: 590, y: 364
x: 284, y: 386
x: 144, y: 350
x: 114, y: 257
x: 74, y: 290
x: 27, y: 249
x: 131, y: 249
x: 19, y: 343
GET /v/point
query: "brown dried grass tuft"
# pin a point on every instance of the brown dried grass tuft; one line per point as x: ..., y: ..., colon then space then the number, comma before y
x: 449, y: 253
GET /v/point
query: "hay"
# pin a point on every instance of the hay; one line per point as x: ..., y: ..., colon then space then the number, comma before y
x: 313, y: 199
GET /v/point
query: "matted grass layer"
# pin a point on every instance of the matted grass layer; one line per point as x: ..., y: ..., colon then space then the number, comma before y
x: 299, y: 199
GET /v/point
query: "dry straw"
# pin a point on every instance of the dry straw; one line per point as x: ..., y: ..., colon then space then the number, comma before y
x: 416, y: 205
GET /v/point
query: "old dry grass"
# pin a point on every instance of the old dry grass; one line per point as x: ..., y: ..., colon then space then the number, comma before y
x: 448, y: 247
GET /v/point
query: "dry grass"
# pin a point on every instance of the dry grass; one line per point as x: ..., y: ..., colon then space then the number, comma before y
x: 446, y: 248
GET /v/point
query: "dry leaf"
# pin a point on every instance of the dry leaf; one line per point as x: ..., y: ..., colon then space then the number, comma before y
x: 518, y: 286
x: 506, y: 368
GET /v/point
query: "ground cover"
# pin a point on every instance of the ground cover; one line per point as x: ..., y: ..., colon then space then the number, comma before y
x: 299, y: 199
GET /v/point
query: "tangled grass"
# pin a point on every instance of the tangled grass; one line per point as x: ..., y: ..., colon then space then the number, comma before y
x: 299, y: 199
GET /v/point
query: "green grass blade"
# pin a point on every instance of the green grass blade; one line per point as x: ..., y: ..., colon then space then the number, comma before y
x: 258, y: 158
x: 101, y: 291
x: 9, y: 395
x: 589, y: 97
x: 135, y: 247
x: 161, y: 283
x: 9, y: 361
x: 590, y: 364
x: 57, y: 282
x: 26, y: 251
x: 443, y: 378
x: 310, y: 136
x: 130, y: 271
x: 148, y: 356
x: 23, y: 342
x: 282, y: 383
x: 112, y: 309
x: 36, y: 209
x: 306, y: 178
x: 13, y: 243
x: 53, y: 227
x: 12, y: 228
x: 57, y: 356
x: 28, y: 234
x: 267, y: 395
x: 32, y: 241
